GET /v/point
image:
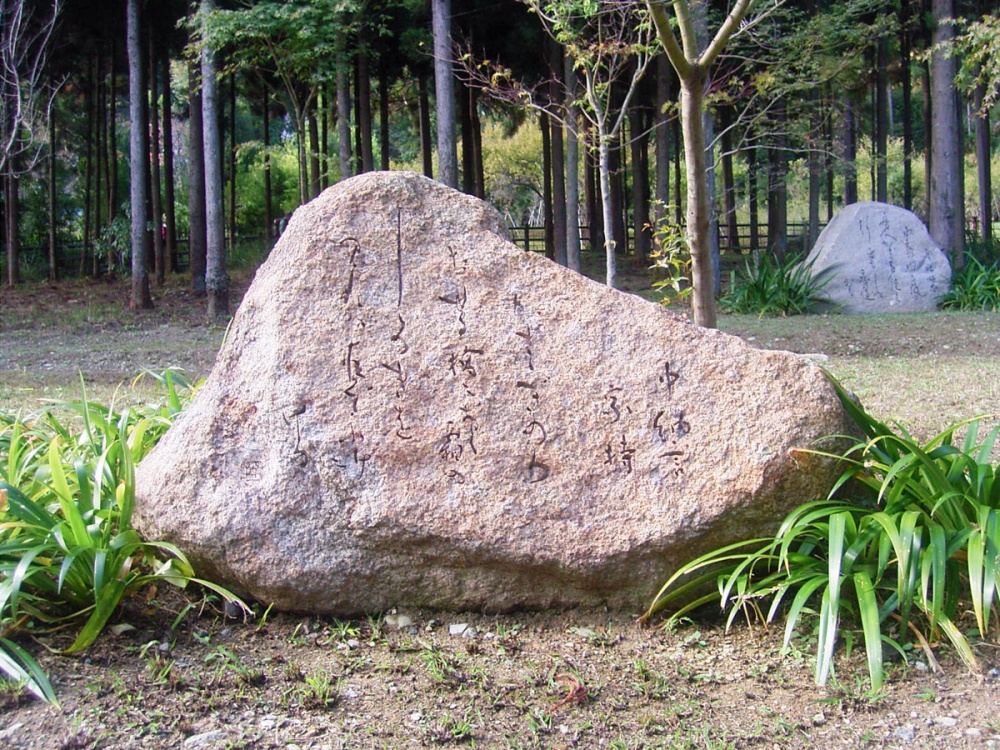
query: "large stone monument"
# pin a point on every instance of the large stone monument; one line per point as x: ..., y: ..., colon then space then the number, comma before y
x: 880, y: 258
x: 409, y: 410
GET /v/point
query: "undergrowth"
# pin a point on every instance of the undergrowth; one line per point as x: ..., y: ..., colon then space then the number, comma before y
x: 68, y: 552
x: 900, y: 566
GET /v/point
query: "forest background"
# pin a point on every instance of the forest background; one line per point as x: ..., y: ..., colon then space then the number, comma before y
x: 814, y: 104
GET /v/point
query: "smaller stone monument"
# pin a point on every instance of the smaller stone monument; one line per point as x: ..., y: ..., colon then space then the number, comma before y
x: 881, y: 259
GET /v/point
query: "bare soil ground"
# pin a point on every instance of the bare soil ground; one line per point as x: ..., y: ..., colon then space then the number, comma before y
x: 176, y: 672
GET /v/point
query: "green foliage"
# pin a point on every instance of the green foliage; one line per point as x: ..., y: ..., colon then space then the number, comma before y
x: 927, y: 540
x: 975, y: 287
x: 68, y: 552
x: 671, y: 259
x: 771, y: 286
x: 976, y: 48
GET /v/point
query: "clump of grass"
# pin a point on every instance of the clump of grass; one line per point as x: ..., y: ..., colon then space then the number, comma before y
x: 898, y: 565
x: 68, y: 552
x: 772, y: 286
x: 975, y: 287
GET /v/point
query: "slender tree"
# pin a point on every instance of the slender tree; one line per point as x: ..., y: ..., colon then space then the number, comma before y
x: 947, y: 204
x: 197, y: 247
x: 444, y: 90
x: 216, y: 278
x: 692, y: 59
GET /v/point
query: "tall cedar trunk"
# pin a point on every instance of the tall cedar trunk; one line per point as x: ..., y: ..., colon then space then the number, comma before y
x: 983, y: 170
x: 477, y: 142
x: 216, y: 279
x: 88, y: 179
x: 315, y: 178
x: 713, y: 213
x: 139, y: 158
x: 159, y: 241
x: 777, y: 191
x: 426, y: 142
x: 301, y: 128
x: 197, y: 249
x: 905, y: 53
x: 324, y: 139
x: 268, y: 190
x: 365, y: 107
x: 544, y: 122
x: 344, y: 149
x: 882, y: 118
x: 101, y: 169
x: 572, y: 170
x: 169, y: 206
x: 146, y: 147
x: 752, y: 189
x: 556, y: 100
x: 661, y: 139
x: 947, y: 195
x: 639, y: 145
x: 728, y: 180
x: 468, y: 142
x: 383, y: 116
x: 231, y: 158
x: 850, y: 152
x: 53, y: 217
x: 444, y: 89
x: 12, y: 221
x: 815, y: 167
x: 828, y: 155
x: 112, y: 141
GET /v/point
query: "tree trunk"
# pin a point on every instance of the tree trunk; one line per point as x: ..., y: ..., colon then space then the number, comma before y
x: 315, y: 178
x: 139, y: 157
x: 477, y: 146
x: 268, y: 190
x: 170, y: 214
x: 777, y: 195
x: 102, y: 171
x: 112, y: 160
x: 947, y: 196
x: 364, y: 120
x: 557, y: 102
x: 468, y: 141
x: 983, y: 171
x: 752, y: 189
x: 595, y: 223
x: 231, y: 158
x: 728, y: 180
x: 344, y: 114
x: 815, y: 167
x: 905, y: 44
x: 12, y: 221
x: 426, y: 145
x: 88, y: 180
x: 661, y: 141
x: 216, y: 279
x: 617, y: 228
x: 197, y: 249
x: 679, y: 203
x: 53, y: 208
x: 159, y: 243
x: 698, y: 212
x: 324, y: 139
x: 882, y: 118
x: 572, y: 171
x: 383, y: 116
x: 544, y: 123
x: 639, y: 145
x: 850, y: 152
x: 444, y: 89
x: 607, y: 211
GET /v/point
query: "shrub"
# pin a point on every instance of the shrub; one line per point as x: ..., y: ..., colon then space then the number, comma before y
x: 975, y: 287
x: 68, y: 551
x: 899, y: 565
x: 771, y: 286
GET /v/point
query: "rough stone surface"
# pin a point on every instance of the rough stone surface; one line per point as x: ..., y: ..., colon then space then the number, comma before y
x: 411, y: 411
x: 883, y: 260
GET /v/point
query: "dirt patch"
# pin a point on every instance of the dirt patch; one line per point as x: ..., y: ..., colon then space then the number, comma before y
x: 170, y: 672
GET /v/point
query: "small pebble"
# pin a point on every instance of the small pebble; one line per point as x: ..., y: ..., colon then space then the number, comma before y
x: 819, y: 719
x: 457, y: 628
x: 905, y: 734
x: 353, y: 643
x: 470, y: 633
x: 946, y: 721
x: 205, y: 738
